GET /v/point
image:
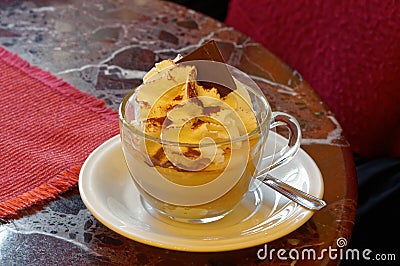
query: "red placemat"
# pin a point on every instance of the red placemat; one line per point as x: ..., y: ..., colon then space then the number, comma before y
x: 47, y: 129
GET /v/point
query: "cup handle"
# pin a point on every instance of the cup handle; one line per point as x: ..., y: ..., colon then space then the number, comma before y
x: 285, y: 154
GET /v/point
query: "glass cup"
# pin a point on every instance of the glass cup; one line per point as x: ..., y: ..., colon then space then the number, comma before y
x: 193, y: 158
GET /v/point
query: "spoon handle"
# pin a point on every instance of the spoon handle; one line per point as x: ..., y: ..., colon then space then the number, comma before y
x: 306, y: 200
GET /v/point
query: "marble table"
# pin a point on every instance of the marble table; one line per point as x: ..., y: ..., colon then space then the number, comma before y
x: 104, y: 47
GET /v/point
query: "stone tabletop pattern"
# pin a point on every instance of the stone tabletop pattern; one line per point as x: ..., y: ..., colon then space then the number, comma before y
x: 104, y: 47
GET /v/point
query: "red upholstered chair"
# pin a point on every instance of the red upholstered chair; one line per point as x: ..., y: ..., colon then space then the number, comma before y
x: 349, y: 51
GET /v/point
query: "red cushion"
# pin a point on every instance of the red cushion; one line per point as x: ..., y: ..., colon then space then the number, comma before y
x: 349, y: 51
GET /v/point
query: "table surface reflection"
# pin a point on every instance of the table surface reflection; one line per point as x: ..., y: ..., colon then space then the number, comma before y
x: 104, y: 47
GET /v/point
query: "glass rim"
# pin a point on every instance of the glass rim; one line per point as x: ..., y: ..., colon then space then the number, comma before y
x: 265, y: 121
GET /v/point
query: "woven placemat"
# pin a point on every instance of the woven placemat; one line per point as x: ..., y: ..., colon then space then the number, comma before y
x: 47, y: 130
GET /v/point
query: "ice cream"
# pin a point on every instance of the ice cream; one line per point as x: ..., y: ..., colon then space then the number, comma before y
x: 172, y: 106
x: 200, y: 145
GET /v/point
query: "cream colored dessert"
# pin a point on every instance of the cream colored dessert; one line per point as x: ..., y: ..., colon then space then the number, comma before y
x: 196, y: 146
x: 172, y: 106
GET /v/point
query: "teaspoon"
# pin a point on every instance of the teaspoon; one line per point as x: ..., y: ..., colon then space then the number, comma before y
x: 304, y: 199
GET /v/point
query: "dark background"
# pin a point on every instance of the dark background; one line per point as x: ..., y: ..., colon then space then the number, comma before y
x: 214, y: 8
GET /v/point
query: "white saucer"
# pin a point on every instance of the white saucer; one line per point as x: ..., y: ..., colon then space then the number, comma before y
x: 264, y: 215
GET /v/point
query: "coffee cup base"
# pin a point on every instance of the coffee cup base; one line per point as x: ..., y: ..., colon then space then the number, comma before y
x: 164, y: 217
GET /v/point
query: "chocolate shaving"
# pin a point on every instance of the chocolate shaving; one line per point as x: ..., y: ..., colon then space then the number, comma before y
x: 197, y: 124
x: 191, y: 89
x: 207, y: 51
x: 160, y: 159
x: 178, y: 98
x: 219, y: 74
x: 155, y: 123
x: 192, y: 153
